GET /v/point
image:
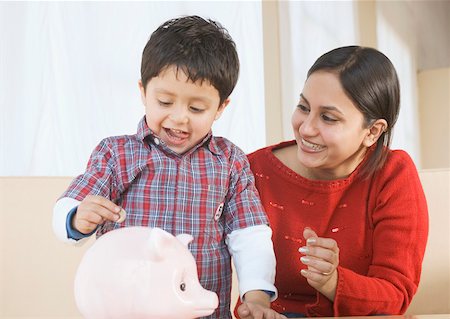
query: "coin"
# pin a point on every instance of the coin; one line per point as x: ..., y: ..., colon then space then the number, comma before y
x: 122, y: 216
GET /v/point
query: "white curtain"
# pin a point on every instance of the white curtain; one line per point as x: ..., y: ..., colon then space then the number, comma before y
x: 307, y: 30
x: 69, y: 73
x: 396, y: 40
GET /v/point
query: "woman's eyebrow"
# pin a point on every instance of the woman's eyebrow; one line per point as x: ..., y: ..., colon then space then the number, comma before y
x: 326, y: 107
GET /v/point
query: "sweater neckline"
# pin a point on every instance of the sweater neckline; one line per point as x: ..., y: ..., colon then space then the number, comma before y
x: 296, y: 178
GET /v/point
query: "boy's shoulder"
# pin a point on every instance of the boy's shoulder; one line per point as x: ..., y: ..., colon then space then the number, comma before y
x: 119, y: 144
x: 223, y: 146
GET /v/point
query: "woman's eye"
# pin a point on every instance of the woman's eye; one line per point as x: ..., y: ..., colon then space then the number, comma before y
x: 328, y: 118
x: 303, y: 108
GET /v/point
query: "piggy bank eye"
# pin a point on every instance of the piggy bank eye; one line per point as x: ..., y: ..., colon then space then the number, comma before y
x: 183, y: 286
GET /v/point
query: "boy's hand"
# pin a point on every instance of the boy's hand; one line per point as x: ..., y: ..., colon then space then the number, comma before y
x: 93, y: 211
x: 256, y: 305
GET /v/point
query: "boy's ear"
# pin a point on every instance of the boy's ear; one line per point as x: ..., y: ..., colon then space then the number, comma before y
x: 142, y: 89
x: 221, y: 109
x: 377, y: 128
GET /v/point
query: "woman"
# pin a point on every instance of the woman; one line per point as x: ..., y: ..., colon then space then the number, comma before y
x: 349, y: 215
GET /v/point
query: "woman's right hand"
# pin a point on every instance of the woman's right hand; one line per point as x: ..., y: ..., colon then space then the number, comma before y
x: 94, y: 211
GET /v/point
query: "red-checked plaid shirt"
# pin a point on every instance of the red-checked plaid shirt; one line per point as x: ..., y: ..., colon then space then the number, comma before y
x: 207, y: 192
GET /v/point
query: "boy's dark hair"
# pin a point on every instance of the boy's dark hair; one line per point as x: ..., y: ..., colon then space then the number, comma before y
x: 201, y: 48
x: 369, y: 79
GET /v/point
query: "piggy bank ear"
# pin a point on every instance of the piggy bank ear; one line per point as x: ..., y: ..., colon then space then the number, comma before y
x: 158, y: 242
x: 185, y: 239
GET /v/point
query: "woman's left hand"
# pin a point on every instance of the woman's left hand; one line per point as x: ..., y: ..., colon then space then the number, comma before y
x: 321, y: 255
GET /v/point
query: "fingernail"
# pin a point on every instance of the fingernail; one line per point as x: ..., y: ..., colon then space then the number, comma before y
x: 311, y: 240
x: 304, y: 272
x: 117, y: 209
x: 304, y: 250
x: 304, y: 259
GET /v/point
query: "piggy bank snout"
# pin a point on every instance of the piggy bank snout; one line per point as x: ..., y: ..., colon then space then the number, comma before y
x: 208, y: 304
x: 203, y: 302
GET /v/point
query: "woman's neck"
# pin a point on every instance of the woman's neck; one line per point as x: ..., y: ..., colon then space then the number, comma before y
x: 288, y: 156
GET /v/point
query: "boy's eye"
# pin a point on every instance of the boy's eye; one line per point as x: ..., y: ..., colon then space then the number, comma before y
x: 164, y: 103
x: 195, y: 109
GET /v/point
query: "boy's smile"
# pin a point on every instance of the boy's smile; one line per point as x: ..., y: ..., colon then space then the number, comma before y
x: 179, y: 111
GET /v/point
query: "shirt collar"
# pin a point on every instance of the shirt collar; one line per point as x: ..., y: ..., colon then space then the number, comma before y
x: 144, y: 132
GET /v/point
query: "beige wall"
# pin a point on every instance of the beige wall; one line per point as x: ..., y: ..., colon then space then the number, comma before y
x: 36, y: 270
x: 272, y: 77
x: 434, y: 113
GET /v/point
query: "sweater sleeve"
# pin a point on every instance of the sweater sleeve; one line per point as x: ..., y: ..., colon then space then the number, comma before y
x: 399, y: 218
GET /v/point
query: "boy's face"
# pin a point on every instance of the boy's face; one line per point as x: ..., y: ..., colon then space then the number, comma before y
x: 179, y: 111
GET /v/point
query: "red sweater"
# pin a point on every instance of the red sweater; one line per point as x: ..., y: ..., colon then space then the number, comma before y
x: 380, y: 225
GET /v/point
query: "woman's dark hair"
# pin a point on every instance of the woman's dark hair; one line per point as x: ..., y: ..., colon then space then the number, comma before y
x: 201, y: 48
x: 369, y: 79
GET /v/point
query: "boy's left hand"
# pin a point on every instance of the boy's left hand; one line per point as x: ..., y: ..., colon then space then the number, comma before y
x: 256, y: 305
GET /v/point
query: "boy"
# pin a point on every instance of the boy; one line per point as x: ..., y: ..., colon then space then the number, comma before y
x: 175, y: 175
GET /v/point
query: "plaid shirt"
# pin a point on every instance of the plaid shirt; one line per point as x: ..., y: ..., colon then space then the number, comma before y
x: 207, y: 192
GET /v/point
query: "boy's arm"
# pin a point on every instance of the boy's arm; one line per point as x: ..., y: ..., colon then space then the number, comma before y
x: 61, y: 227
x: 254, y: 259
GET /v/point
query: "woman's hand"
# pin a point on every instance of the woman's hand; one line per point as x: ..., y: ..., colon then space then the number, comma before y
x: 93, y: 211
x: 256, y: 305
x: 321, y: 255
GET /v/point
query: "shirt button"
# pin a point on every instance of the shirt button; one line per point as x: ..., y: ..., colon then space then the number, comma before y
x: 156, y: 140
x: 218, y: 212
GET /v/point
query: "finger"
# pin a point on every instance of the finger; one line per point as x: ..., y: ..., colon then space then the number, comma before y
x: 318, y: 265
x: 84, y: 226
x: 309, y: 233
x: 243, y: 310
x: 257, y: 314
x: 94, y: 214
x: 107, y: 214
x: 320, y: 253
x: 314, y: 275
x: 105, y: 202
x: 88, y: 226
x: 327, y: 243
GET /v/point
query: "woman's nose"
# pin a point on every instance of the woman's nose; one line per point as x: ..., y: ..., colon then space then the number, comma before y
x: 309, y: 126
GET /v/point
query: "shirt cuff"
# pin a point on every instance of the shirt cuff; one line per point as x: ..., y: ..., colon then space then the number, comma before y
x: 72, y: 233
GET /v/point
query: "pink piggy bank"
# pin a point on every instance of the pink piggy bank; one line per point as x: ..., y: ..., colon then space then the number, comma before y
x: 141, y: 272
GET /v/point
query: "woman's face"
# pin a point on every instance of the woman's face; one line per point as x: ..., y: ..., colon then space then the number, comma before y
x: 330, y: 132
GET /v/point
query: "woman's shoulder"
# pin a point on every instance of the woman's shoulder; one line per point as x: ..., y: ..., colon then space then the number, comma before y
x: 398, y: 168
x: 399, y: 159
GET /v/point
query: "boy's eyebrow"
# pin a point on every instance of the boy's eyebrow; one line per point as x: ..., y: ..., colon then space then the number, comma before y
x: 326, y: 107
x: 194, y: 98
